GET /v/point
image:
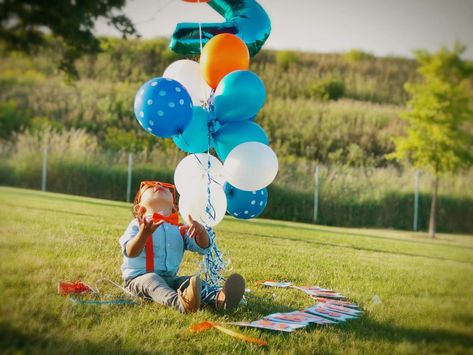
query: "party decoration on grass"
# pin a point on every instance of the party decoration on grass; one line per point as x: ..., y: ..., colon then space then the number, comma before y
x: 243, y: 18
x: 97, y: 302
x: 70, y: 288
x: 326, y: 311
x: 163, y: 107
x: 269, y: 283
x: 198, y: 328
x: 78, y: 292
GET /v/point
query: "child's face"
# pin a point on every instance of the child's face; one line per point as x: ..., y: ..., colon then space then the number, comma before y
x: 157, y: 196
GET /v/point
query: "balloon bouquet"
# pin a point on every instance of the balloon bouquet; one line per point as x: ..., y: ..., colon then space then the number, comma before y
x: 212, y: 105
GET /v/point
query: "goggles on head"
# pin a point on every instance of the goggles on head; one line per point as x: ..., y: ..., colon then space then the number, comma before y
x: 144, y: 185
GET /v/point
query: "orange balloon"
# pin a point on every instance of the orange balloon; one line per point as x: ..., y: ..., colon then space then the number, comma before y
x: 221, y: 55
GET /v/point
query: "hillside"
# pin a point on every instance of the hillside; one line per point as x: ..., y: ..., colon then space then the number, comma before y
x: 338, y: 111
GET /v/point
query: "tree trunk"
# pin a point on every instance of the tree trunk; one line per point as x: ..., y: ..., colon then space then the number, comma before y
x: 433, y: 208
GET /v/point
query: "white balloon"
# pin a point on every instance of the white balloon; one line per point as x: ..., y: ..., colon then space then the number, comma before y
x: 187, y: 72
x: 251, y: 166
x: 191, y: 173
x: 195, y: 204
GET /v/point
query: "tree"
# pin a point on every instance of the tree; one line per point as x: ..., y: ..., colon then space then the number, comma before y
x: 439, y: 118
x: 26, y: 24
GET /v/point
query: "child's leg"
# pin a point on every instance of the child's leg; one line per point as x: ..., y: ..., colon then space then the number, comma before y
x: 155, y: 287
x: 231, y: 293
x: 208, y: 294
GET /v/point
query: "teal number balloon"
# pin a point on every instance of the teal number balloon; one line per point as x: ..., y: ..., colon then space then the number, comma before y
x: 244, y: 18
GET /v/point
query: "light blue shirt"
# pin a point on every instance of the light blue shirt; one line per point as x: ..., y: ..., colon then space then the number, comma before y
x: 168, y: 246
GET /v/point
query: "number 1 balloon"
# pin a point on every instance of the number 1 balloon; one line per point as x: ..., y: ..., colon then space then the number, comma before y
x: 244, y: 18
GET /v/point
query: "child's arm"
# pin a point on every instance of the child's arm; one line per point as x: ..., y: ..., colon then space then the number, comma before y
x: 198, y: 232
x: 138, y: 242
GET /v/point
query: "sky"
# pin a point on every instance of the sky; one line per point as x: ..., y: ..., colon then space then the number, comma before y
x: 382, y: 27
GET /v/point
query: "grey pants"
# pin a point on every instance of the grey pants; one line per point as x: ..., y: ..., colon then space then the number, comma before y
x: 163, y: 290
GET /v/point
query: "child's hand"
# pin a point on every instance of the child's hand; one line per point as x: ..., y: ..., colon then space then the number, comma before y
x: 196, y: 229
x: 147, y: 226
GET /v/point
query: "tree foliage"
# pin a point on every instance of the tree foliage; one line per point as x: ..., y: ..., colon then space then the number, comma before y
x: 25, y: 24
x: 440, y: 117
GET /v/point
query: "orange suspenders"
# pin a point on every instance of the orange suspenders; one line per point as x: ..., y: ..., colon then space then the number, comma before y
x: 149, y: 249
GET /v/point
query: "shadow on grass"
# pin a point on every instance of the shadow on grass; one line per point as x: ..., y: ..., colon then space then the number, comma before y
x: 352, y: 247
x: 14, y: 340
x: 257, y: 308
x: 368, y: 329
x: 17, y: 341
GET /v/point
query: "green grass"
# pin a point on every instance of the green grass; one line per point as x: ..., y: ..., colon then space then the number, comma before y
x: 425, y: 286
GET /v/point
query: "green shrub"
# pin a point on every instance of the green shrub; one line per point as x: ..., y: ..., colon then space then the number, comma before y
x: 329, y: 88
x: 12, y: 119
x: 357, y: 55
x: 285, y: 59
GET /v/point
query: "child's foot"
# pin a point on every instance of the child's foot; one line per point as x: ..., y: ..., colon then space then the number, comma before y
x: 232, y: 292
x: 190, y: 297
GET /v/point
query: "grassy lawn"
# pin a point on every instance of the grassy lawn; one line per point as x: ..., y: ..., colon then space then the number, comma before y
x: 425, y: 286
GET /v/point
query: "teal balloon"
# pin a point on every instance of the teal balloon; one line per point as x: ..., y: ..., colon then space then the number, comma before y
x: 243, y: 18
x: 239, y: 96
x: 232, y: 134
x: 195, y: 137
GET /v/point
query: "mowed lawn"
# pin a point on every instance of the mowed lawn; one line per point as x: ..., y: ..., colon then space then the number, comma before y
x: 417, y: 294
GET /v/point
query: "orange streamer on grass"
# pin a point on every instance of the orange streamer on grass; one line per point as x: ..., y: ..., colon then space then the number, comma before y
x: 197, y: 328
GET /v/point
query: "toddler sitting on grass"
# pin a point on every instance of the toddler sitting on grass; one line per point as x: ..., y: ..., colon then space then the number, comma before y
x: 153, y: 246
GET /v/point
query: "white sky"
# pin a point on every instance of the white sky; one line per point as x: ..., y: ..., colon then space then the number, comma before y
x: 382, y: 27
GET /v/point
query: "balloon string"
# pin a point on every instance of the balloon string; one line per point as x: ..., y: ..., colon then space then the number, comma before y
x: 200, y: 35
x: 213, y: 264
x: 202, y: 84
x: 153, y: 17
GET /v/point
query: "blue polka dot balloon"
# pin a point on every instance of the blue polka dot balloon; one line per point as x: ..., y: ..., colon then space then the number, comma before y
x: 245, y: 204
x: 163, y: 107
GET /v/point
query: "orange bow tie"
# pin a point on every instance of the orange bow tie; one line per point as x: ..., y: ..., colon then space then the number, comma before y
x: 173, y: 218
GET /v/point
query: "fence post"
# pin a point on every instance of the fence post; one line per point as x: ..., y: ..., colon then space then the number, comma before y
x: 44, y: 174
x: 128, y: 184
x: 316, y: 193
x: 416, y: 202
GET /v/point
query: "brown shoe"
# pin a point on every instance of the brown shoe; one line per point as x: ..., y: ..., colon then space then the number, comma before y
x: 232, y: 293
x: 190, y: 297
